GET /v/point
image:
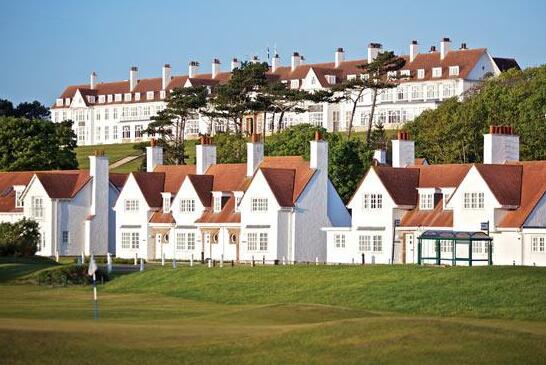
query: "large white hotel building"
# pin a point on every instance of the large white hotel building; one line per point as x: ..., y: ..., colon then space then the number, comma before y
x: 117, y: 112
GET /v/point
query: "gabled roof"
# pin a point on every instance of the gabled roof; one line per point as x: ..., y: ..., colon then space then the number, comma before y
x: 174, y: 176
x: 203, y: 186
x: 151, y: 185
x: 401, y: 183
x: 228, y: 176
x: 281, y: 182
x: 504, y: 182
x: 63, y: 184
x: 302, y: 172
x: 437, y: 217
x: 533, y: 188
x: 7, y: 194
x: 505, y: 64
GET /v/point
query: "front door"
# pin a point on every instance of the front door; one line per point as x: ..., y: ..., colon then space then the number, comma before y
x: 410, y: 248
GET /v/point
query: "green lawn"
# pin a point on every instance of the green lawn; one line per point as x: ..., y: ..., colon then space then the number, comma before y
x: 282, y: 315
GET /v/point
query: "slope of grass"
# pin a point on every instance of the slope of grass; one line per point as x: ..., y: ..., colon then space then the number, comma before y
x: 13, y: 268
x: 115, y: 152
x: 487, y: 292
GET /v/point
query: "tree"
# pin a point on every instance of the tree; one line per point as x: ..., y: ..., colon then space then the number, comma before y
x: 6, y: 108
x: 453, y: 133
x: 230, y: 147
x: 34, y: 144
x: 239, y: 96
x: 378, y: 138
x: 32, y: 110
x: 20, y: 238
x: 348, y: 159
x: 170, y: 123
x: 378, y: 75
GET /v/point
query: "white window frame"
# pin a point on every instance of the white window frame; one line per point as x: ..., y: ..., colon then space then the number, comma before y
x: 453, y: 70
x: 259, y: 205
x: 187, y: 205
x: 474, y: 200
x: 217, y: 203
x: 37, y: 207
x: 426, y: 201
x: 339, y: 240
x: 421, y: 73
x: 436, y: 72
x: 131, y: 205
x: 65, y: 237
x: 538, y: 244
x: 372, y: 201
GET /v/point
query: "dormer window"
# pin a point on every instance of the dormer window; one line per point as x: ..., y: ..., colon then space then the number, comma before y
x: 128, y: 97
x: 421, y: 73
x: 137, y: 96
x: 110, y: 98
x: 149, y: 95
x: 67, y: 101
x: 453, y: 70
x: 294, y: 84
x: 351, y: 77
x: 117, y: 97
x: 59, y: 102
x: 405, y: 73
x: 91, y: 99
x: 101, y: 99
x: 436, y: 72
x: 18, y: 200
x: 166, y: 202
x: 217, y: 204
x: 162, y: 94
x: 426, y: 201
x: 364, y: 77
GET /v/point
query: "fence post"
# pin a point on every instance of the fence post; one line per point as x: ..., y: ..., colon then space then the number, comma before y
x: 163, y: 259
x: 174, y: 263
x: 263, y: 260
x: 210, y: 263
x: 316, y: 261
x: 108, y: 263
x: 135, y: 262
x: 363, y: 259
x: 373, y: 259
x: 284, y: 260
x: 191, y: 260
x: 141, y: 264
x: 222, y: 260
x: 253, y: 261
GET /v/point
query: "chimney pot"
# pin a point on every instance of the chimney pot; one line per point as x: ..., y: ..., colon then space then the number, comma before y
x: 432, y: 48
x: 414, y: 42
x: 463, y: 45
x: 340, y: 49
x: 318, y: 136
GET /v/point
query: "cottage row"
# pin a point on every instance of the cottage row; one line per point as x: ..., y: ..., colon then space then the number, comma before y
x: 277, y: 209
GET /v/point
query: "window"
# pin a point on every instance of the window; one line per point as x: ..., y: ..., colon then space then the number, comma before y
x: 138, y: 131
x: 294, y: 84
x: 106, y: 114
x: 449, y: 90
x: 373, y: 201
x: 417, y: 92
x: 162, y: 94
x: 237, y: 202
x: 436, y: 72
x: 106, y: 133
x: 137, y: 96
x: 446, y: 198
x: 117, y: 97
x: 149, y: 95
x: 426, y: 201
x: 217, y: 203
x: 115, y: 112
x: 433, y: 91
x: 252, y: 241
x: 421, y: 73
x: 146, y: 111
x: 473, y: 200
x: 126, y: 131
x: 259, y: 205
x: 446, y: 246
x: 339, y: 240
x: 453, y: 70
x: 109, y: 98
x: 59, y: 102
x: 131, y: 205
x: 97, y: 133
x: 128, y: 97
x: 97, y: 115
x: 480, y: 247
x: 537, y: 244
x: 331, y: 79
x: 37, y: 207
x: 185, y: 241
x: 115, y: 132
x: 351, y: 77
x: 18, y: 200
x: 166, y: 203
x: 405, y: 73
x: 65, y: 238
x: 364, y: 243
x: 187, y: 205
x: 41, y: 241
x: 263, y: 241
x: 377, y: 243
x: 130, y: 240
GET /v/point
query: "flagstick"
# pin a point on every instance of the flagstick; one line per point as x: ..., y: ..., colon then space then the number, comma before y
x: 96, y: 304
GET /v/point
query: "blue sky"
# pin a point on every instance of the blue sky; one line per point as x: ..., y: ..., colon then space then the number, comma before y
x: 47, y: 45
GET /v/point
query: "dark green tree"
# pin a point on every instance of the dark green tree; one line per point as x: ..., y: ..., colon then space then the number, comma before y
x: 20, y: 238
x: 31, y: 110
x: 6, y: 108
x: 34, y: 144
x: 230, y: 147
x: 170, y: 123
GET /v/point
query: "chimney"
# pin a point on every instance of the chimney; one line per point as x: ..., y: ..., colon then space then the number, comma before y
x: 463, y: 46
x: 295, y: 61
x: 255, y: 60
x: 500, y: 145
x: 154, y: 156
x: 319, y: 153
x: 445, y: 45
x: 403, y: 150
x: 133, y: 78
x: 165, y: 76
x: 254, y: 154
x: 235, y: 64
x: 373, y: 51
x: 215, y: 67
x: 275, y: 62
x: 97, y: 239
x: 413, y: 50
x: 339, y: 57
x: 193, y: 69
x: 93, y: 81
x: 205, y: 155
x: 432, y: 49
x: 380, y: 156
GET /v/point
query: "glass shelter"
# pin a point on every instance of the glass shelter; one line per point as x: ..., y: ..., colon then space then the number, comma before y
x: 454, y: 248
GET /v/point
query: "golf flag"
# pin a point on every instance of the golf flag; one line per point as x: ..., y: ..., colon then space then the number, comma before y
x: 92, y: 267
x: 91, y: 272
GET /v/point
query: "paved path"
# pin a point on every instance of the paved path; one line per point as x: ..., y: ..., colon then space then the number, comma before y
x: 124, y: 160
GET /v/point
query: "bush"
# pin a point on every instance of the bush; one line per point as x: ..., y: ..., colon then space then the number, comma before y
x: 115, y: 260
x: 69, y: 275
x: 19, y: 239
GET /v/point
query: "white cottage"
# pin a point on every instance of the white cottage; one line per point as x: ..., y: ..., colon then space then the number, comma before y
x: 269, y: 209
x: 73, y: 207
x: 413, y: 213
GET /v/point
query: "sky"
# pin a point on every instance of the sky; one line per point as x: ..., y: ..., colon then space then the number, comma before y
x: 48, y: 45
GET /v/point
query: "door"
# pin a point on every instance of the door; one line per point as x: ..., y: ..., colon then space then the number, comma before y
x: 410, y: 248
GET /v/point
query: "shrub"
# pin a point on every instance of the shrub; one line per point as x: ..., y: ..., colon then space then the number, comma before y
x: 19, y: 239
x: 69, y: 275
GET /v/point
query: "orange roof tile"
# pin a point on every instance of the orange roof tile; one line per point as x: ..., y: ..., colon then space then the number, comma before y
x: 162, y: 218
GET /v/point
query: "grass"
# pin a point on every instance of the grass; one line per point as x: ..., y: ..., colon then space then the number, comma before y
x: 281, y: 315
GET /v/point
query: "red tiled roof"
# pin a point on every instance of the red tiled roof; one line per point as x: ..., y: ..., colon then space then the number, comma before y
x: 226, y: 215
x: 174, y: 175
x: 281, y: 182
x: 228, y: 176
x: 63, y: 184
x: 162, y: 218
x: 203, y: 186
x: 437, y: 217
x: 7, y: 194
x: 401, y: 183
x: 118, y: 179
x: 302, y: 176
x: 504, y: 182
x: 151, y: 185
